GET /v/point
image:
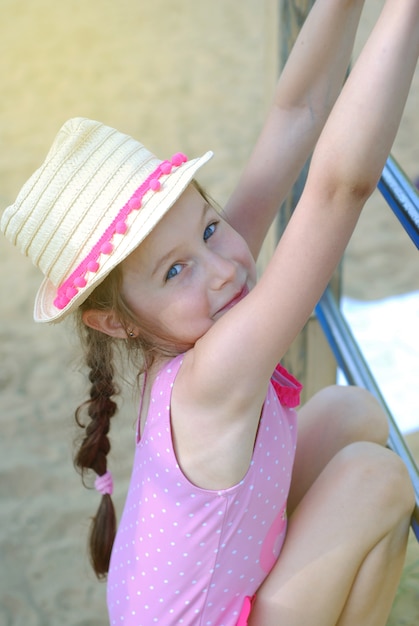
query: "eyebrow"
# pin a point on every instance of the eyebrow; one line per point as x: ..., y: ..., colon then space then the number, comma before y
x: 163, y: 260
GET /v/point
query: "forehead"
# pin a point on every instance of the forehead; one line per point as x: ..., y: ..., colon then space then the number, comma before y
x: 172, y: 230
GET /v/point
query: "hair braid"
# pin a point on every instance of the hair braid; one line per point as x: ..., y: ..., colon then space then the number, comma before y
x: 95, y: 444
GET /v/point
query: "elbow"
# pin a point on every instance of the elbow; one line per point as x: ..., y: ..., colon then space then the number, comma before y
x: 349, y: 195
x: 354, y: 184
x: 359, y: 189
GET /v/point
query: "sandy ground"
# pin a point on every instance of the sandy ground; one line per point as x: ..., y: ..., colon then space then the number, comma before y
x: 180, y: 76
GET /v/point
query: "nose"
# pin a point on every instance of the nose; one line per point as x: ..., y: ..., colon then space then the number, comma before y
x: 221, y: 270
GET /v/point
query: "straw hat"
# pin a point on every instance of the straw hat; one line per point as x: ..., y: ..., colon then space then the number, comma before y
x: 98, y: 194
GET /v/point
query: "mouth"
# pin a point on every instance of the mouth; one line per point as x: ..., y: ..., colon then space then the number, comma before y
x: 237, y: 298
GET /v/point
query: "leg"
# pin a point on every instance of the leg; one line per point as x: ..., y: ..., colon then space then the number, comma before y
x: 345, y: 546
x: 332, y: 419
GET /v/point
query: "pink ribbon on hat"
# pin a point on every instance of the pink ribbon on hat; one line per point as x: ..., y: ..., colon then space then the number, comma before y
x: 104, y: 484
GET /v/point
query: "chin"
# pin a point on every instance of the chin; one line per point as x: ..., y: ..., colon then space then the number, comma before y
x: 172, y: 348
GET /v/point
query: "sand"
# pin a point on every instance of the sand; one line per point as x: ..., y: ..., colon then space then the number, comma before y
x: 181, y: 76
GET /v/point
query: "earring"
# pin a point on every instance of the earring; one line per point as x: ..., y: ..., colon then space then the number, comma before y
x: 131, y: 333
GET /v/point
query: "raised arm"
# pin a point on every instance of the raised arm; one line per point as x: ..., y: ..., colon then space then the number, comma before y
x: 305, y: 94
x: 346, y: 165
x: 345, y: 168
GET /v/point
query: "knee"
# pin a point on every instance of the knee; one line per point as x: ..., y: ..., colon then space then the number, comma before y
x: 380, y: 476
x: 359, y: 413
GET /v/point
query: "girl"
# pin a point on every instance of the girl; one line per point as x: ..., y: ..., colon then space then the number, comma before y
x: 137, y: 250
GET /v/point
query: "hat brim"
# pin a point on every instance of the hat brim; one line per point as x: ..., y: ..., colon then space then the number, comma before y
x: 143, y: 223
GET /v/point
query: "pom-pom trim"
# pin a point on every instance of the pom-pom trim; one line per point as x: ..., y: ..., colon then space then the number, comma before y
x: 91, y: 263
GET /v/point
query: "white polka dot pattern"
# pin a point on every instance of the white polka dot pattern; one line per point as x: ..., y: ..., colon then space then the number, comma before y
x: 185, y: 555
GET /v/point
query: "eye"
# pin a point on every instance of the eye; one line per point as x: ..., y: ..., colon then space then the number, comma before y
x: 174, y: 271
x: 210, y: 230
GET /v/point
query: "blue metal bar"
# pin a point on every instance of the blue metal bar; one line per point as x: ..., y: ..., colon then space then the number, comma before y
x: 402, y: 197
x: 356, y: 371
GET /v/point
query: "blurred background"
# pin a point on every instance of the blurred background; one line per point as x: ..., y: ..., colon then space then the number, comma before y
x: 186, y: 76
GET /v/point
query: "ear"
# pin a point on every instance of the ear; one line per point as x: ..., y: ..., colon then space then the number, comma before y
x: 106, y: 322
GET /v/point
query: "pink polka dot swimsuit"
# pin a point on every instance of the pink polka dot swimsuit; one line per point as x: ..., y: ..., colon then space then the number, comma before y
x: 191, y: 556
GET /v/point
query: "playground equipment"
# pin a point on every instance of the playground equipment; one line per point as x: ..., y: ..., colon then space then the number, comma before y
x: 404, y: 201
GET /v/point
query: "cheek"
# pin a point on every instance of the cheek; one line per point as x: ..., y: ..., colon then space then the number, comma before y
x: 245, y: 257
x: 138, y: 302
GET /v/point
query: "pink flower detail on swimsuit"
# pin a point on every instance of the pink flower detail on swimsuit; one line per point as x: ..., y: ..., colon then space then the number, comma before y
x: 273, y: 541
x: 246, y: 609
x: 289, y: 393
